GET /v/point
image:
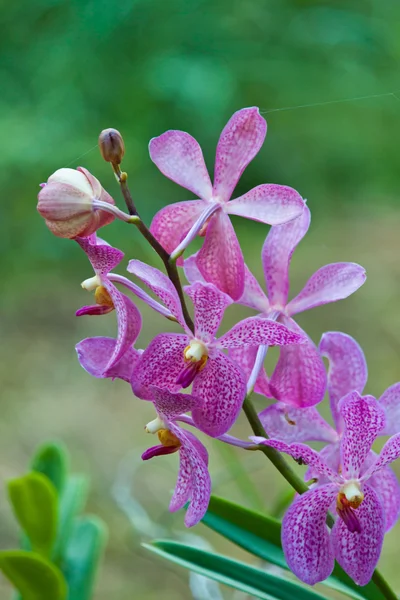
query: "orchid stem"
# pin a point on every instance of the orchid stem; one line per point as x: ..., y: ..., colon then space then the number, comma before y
x: 298, y: 484
x: 170, y: 265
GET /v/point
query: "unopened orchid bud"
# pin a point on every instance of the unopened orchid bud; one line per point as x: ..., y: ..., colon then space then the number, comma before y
x: 111, y: 146
x: 67, y: 203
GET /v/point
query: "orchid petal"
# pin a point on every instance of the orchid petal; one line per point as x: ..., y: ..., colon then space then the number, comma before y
x: 390, y: 402
x: 245, y: 357
x: 183, y: 486
x: 129, y: 323
x: 94, y: 355
x: 253, y: 295
x: 363, y: 419
x: 161, y: 285
x: 347, y: 369
x: 269, y: 203
x: 240, y: 141
x: 387, y: 487
x: 159, y: 450
x: 179, y: 157
x: 172, y: 405
x: 257, y: 330
x: 330, y: 283
x: 302, y: 453
x: 102, y: 256
x: 173, y: 222
x: 159, y: 365
x: 330, y: 454
x: 358, y: 553
x: 299, y: 378
x: 277, y: 254
x: 289, y: 424
x: 222, y: 387
x: 209, y: 307
x: 192, y: 271
x: 94, y: 310
x: 305, y: 535
x: 194, y: 452
x: 389, y: 453
x: 220, y: 259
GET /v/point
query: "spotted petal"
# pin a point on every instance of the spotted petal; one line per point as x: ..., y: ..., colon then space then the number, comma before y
x: 172, y: 405
x: 159, y: 365
x: 302, y: 453
x: 161, y: 285
x: 390, y: 402
x: 299, y: 378
x: 129, y: 323
x: 358, y: 553
x: 179, y: 157
x: 257, y: 330
x: 220, y: 259
x: 387, y: 487
x: 194, y: 481
x: 347, y: 369
x: 305, y: 535
x: 289, y: 424
x: 172, y: 223
x: 330, y: 283
x: 102, y: 256
x: 209, y: 305
x: 277, y: 254
x: 240, y: 141
x: 94, y: 355
x: 389, y: 453
x: 222, y: 387
x: 269, y: 203
x: 363, y: 420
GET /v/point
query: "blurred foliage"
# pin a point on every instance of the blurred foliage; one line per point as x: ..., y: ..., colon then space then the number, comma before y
x: 70, y: 69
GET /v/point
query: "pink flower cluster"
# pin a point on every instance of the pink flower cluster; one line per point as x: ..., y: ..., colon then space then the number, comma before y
x: 346, y: 477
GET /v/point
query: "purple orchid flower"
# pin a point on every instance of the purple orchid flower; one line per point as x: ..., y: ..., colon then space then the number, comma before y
x: 103, y: 259
x: 357, y: 536
x: 174, y: 360
x: 179, y: 157
x: 347, y: 373
x: 299, y: 378
x: 194, y: 483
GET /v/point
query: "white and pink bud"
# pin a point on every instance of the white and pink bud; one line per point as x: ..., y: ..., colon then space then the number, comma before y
x: 69, y: 203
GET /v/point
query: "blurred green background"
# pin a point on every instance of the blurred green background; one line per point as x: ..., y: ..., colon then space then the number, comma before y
x: 70, y: 69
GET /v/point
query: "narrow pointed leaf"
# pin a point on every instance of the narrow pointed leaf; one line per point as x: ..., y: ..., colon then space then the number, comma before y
x: 232, y: 573
x: 34, y: 577
x: 260, y: 535
x: 72, y: 501
x: 82, y: 556
x: 51, y: 459
x: 34, y: 501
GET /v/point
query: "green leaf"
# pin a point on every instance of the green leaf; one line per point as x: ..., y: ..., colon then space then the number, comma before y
x: 233, y: 573
x: 34, y: 577
x: 72, y: 501
x: 34, y: 500
x: 260, y: 535
x: 51, y: 460
x: 82, y: 556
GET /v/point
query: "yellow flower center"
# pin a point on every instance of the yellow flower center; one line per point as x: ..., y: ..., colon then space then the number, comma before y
x: 196, y: 352
x: 168, y: 439
x: 102, y: 297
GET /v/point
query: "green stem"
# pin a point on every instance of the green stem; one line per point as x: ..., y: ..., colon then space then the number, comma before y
x: 170, y: 265
x: 298, y: 484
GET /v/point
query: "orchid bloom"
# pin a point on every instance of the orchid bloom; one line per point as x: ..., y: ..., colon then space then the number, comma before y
x: 299, y: 378
x: 176, y: 361
x: 103, y: 259
x: 357, y: 535
x: 179, y: 157
x: 347, y: 373
x: 194, y: 483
